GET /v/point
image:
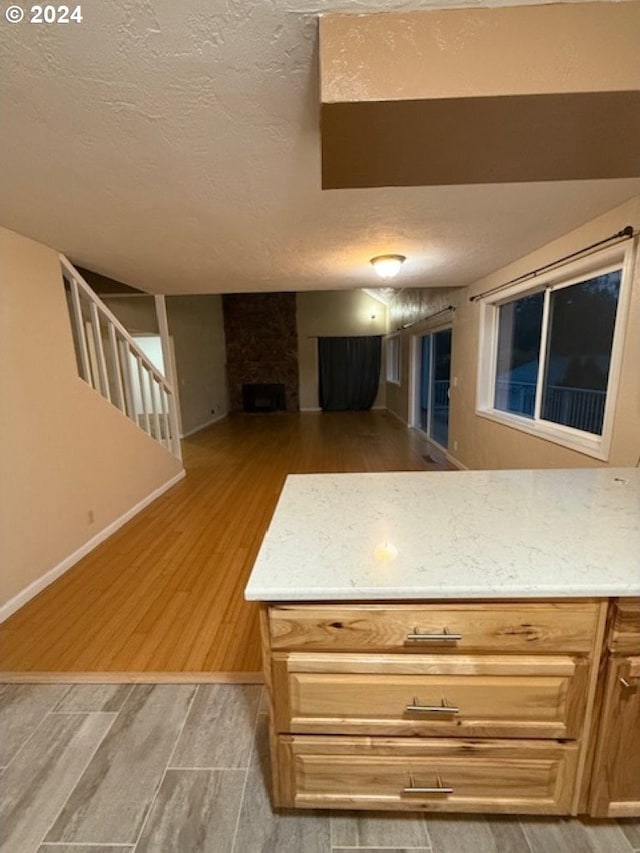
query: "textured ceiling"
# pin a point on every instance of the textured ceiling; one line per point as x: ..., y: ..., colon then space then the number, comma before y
x: 175, y: 146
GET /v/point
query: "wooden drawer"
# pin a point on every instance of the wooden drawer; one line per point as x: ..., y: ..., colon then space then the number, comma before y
x: 479, y: 776
x: 625, y: 634
x: 525, y: 628
x: 490, y: 696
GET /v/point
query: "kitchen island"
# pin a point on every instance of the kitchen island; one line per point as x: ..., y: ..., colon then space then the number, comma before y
x: 454, y: 641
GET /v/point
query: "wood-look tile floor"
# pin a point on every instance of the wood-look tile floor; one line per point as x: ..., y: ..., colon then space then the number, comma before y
x: 165, y: 593
x: 181, y: 768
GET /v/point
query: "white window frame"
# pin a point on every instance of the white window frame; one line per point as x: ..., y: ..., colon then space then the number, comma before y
x: 619, y: 257
x: 393, y: 358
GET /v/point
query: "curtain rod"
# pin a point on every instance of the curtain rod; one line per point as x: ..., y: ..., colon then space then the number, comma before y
x: 625, y: 234
x: 422, y: 319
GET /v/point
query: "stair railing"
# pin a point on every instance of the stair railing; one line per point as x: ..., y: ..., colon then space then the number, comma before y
x: 111, y: 362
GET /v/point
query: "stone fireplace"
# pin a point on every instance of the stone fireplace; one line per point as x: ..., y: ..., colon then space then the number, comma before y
x: 262, y: 351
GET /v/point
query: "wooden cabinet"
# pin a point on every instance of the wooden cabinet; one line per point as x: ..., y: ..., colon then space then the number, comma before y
x: 470, y: 706
x: 615, y: 788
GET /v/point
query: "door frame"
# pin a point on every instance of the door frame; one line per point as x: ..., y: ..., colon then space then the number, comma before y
x: 415, y: 359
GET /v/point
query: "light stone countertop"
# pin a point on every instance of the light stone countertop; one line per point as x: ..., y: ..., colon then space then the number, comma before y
x: 452, y: 534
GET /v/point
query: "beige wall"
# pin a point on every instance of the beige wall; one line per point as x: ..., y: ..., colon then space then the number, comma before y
x: 197, y: 329
x: 333, y: 313
x: 64, y: 451
x: 136, y: 313
x: 485, y: 444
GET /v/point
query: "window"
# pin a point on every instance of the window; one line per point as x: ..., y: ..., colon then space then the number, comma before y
x: 393, y: 359
x: 550, y: 357
x: 519, y: 326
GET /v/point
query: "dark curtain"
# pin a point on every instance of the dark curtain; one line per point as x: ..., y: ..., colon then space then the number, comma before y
x: 349, y: 372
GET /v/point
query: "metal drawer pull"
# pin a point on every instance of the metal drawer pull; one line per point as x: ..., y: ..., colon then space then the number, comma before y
x: 417, y: 789
x: 624, y: 682
x: 445, y: 635
x: 443, y: 708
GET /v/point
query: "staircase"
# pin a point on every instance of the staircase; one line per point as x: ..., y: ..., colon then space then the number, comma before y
x: 111, y: 362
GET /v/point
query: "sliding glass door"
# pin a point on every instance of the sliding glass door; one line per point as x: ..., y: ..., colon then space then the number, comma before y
x: 433, y: 357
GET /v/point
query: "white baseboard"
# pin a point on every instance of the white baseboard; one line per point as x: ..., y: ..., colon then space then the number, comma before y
x: 38, y: 585
x: 397, y: 417
x: 435, y: 447
x: 204, y: 426
x: 455, y: 462
x: 318, y: 409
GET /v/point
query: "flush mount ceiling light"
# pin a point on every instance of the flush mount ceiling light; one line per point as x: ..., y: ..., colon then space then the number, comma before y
x: 388, y: 266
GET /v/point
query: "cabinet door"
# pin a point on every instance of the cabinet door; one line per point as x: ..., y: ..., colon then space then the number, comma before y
x: 616, y: 773
x: 625, y: 636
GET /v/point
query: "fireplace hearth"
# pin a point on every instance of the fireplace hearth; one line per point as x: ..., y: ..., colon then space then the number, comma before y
x: 257, y: 397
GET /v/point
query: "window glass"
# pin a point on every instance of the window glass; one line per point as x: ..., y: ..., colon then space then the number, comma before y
x: 440, y: 396
x: 393, y: 359
x: 434, y: 378
x: 518, y: 354
x: 581, y: 322
x: 425, y: 381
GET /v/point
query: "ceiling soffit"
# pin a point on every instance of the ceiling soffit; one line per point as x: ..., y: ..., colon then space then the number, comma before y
x: 473, y: 96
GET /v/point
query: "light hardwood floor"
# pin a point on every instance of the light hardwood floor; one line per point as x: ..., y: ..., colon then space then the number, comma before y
x: 164, y: 595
